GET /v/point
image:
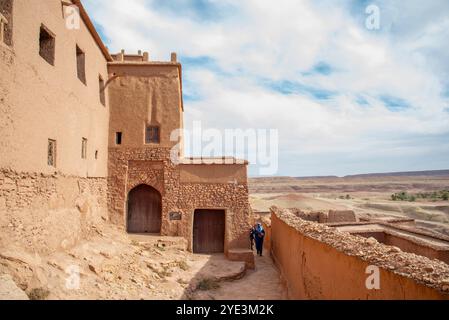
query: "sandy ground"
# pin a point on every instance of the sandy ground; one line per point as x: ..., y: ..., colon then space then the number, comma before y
x: 114, y: 265
x: 263, y: 283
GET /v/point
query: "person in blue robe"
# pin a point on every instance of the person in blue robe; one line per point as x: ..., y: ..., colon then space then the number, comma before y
x: 259, y: 235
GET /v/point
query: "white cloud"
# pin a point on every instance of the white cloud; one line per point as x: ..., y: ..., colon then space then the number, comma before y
x: 256, y: 40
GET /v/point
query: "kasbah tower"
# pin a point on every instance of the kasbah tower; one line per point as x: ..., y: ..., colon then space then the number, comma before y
x: 86, y: 135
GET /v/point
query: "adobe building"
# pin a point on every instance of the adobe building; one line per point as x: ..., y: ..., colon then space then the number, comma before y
x: 87, y: 133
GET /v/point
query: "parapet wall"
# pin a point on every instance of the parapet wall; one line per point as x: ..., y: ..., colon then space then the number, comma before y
x: 318, y: 262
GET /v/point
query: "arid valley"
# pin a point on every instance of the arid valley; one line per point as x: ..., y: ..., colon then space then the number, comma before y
x: 367, y: 195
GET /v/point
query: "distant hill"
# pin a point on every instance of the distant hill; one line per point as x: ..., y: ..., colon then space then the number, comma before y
x: 428, y: 173
x: 372, y: 182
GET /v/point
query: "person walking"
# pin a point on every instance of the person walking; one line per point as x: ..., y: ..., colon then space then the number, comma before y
x: 258, y: 238
x: 252, y: 234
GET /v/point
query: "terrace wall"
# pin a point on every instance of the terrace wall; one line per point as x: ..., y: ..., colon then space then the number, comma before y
x: 318, y: 262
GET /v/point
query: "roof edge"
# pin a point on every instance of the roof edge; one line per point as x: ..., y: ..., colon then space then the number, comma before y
x: 90, y: 26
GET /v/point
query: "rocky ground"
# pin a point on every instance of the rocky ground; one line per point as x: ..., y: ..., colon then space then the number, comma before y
x: 113, y: 265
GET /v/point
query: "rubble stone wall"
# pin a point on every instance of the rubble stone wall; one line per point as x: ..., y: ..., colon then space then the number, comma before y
x: 48, y: 212
x: 130, y: 167
x: 319, y: 262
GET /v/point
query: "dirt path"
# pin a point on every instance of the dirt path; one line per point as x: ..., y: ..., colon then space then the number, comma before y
x: 113, y: 265
x: 263, y: 283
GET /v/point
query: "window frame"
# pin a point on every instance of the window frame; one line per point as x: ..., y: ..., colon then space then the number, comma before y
x: 81, y: 64
x: 52, y: 144
x: 84, y: 148
x: 102, y: 90
x: 118, y: 138
x: 42, y: 52
x: 152, y: 134
x: 6, y: 23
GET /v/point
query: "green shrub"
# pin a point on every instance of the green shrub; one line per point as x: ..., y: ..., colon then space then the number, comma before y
x: 208, y: 284
x: 38, y: 294
x: 432, y: 196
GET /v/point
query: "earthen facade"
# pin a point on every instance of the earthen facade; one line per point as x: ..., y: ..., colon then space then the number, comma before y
x: 73, y: 115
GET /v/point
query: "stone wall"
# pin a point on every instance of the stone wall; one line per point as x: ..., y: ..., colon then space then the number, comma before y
x: 231, y: 197
x: 130, y: 167
x: 341, y: 216
x: 319, y: 262
x: 48, y: 212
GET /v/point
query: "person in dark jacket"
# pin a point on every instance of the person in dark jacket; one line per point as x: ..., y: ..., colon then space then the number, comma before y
x: 258, y: 238
x: 252, y: 234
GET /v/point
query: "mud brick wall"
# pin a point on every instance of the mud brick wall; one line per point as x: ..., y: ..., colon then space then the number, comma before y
x: 319, y: 262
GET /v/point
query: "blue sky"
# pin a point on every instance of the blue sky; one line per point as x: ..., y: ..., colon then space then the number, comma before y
x: 344, y: 98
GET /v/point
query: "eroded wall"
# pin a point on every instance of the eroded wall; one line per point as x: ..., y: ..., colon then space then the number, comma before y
x: 317, y: 262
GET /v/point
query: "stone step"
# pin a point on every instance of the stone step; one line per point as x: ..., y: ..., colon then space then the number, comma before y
x: 218, y: 268
x: 166, y: 242
x: 241, y: 254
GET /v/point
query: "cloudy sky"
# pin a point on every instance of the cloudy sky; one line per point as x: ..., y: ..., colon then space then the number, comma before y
x: 344, y: 98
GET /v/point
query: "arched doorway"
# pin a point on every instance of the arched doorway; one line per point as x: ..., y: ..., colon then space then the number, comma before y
x: 208, y: 231
x: 144, y: 210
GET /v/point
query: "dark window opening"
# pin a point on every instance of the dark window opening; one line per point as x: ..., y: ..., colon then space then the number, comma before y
x: 84, y: 149
x: 96, y: 154
x: 47, y: 45
x: 152, y: 134
x: 6, y: 19
x: 102, y: 89
x: 51, y: 153
x: 81, y: 64
x: 118, y: 138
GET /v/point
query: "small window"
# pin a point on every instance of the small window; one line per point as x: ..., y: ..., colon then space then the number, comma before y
x: 81, y: 65
x: 96, y: 154
x: 118, y: 138
x: 152, y: 134
x: 51, y: 153
x: 102, y: 89
x: 6, y: 18
x: 47, y: 45
x: 84, y: 149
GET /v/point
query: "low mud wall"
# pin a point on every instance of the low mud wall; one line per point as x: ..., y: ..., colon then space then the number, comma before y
x: 319, y: 262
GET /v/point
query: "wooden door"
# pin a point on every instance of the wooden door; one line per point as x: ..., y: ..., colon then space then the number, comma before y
x: 208, y: 231
x: 144, y: 210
